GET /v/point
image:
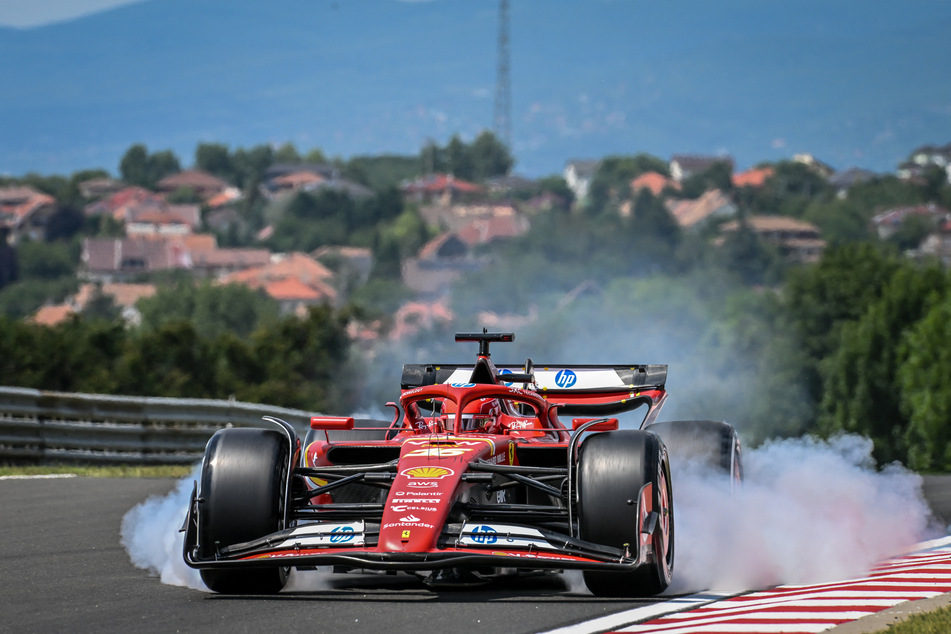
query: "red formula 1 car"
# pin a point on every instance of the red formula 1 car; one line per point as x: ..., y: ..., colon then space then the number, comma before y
x: 476, y: 476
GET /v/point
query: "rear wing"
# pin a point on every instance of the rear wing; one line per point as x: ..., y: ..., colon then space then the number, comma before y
x: 579, y: 389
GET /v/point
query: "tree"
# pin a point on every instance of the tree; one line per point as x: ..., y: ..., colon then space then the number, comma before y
x: 717, y: 176
x: 924, y: 383
x: 134, y: 166
x: 860, y: 375
x: 458, y: 161
x: 215, y: 158
x: 287, y: 153
x: 138, y: 167
x: 213, y: 309
x: 489, y: 157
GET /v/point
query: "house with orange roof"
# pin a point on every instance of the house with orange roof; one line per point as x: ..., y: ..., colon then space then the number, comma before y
x: 25, y: 212
x: 122, y: 205
x: 124, y: 296
x: 755, y: 177
x: 654, y: 182
x: 412, y: 317
x: 691, y: 214
x: 205, y: 185
x: 224, y: 198
x: 285, y: 276
x: 440, y: 187
x: 52, y: 315
x: 485, y: 230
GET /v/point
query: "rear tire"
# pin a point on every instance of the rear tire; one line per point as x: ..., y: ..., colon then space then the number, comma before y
x: 705, y: 443
x: 613, y: 467
x: 241, y: 498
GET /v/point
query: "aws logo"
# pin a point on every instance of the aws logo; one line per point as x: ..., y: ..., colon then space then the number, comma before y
x: 427, y: 473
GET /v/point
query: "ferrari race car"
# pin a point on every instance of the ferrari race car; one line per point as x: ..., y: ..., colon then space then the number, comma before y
x: 477, y: 476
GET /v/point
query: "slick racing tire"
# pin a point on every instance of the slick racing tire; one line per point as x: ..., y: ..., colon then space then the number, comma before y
x: 705, y: 443
x: 241, y: 498
x: 613, y: 468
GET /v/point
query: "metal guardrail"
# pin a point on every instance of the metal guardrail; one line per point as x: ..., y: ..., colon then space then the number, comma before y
x: 50, y: 427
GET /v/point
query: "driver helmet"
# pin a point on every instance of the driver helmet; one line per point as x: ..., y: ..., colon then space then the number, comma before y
x: 479, y: 415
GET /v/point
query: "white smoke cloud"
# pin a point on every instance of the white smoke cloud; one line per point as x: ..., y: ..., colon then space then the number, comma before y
x: 150, y: 534
x: 809, y: 511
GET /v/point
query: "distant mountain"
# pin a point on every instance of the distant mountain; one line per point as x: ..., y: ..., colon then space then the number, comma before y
x: 758, y: 80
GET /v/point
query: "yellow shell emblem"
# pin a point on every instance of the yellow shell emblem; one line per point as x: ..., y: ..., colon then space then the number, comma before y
x: 427, y: 472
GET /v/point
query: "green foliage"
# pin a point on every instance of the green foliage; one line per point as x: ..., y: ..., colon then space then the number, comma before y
x: 213, y: 309
x: 381, y: 172
x: 924, y: 381
x: 860, y: 374
x: 483, y: 158
x: 46, y: 260
x: 717, y: 176
x: 292, y: 362
x: 287, y: 153
x: 839, y: 289
x: 750, y: 258
x: 215, y: 158
x: 138, y: 167
x: 612, y: 181
x: 790, y: 191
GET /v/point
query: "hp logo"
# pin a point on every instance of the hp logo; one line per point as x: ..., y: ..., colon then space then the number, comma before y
x: 565, y: 378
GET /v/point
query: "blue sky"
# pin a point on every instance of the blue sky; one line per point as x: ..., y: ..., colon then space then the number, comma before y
x: 854, y: 82
x: 32, y: 13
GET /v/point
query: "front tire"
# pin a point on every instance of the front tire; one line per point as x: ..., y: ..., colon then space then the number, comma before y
x: 242, y: 497
x: 613, y: 468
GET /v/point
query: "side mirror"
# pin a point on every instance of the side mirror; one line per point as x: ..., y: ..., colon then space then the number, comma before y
x: 331, y: 422
x: 600, y: 424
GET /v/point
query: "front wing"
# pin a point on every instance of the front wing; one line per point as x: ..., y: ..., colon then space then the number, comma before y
x: 353, y: 544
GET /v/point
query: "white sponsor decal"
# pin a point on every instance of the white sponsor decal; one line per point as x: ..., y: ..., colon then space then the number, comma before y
x: 504, y: 535
x: 405, y: 524
x: 432, y: 494
x: 402, y: 508
x: 414, y: 501
x: 422, y: 484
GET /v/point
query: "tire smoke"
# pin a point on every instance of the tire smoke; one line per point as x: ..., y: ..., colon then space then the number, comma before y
x: 808, y: 511
x: 150, y: 534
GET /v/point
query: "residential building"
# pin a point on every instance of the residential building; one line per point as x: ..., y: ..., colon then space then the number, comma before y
x: 25, y: 212
x: 683, y: 166
x: 654, y: 182
x: 755, y: 177
x: 578, y: 175
x: 295, y: 280
x: 800, y: 240
x: 888, y: 222
x: 204, y: 185
x: 692, y: 214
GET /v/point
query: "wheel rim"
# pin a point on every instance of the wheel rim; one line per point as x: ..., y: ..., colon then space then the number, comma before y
x: 664, y: 510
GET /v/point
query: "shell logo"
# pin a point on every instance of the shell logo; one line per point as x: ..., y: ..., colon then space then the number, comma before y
x: 427, y: 473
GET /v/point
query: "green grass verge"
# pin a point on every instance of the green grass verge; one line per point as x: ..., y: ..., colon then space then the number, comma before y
x: 937, y: 622
x: 87, y: 471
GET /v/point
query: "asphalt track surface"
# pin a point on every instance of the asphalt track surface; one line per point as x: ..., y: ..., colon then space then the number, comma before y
x: 63, y: 569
